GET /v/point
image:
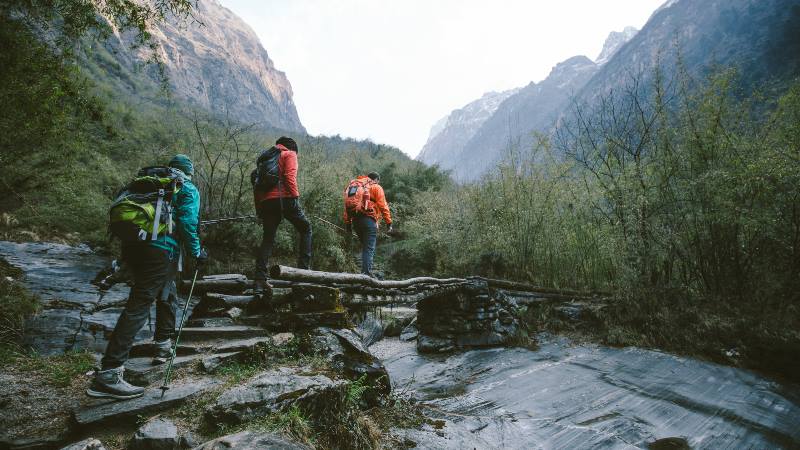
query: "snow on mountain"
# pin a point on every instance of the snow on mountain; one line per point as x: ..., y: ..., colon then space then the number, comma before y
x: 615, y: 40
x: 449, y: 134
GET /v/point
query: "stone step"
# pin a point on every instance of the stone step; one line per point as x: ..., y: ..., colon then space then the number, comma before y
x: 142, y: 371
x: 148, y: 349
x: 285, y: 321
x: 102, y: 412
x: 201, y: 334
x: 210, y: 322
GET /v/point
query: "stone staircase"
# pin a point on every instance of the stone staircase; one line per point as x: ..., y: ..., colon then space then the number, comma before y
x: 222, y: 327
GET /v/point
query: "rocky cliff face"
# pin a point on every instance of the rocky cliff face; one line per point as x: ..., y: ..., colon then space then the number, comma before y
x: 449, y: 134
x: 759, y: 38
x: 218, y: 63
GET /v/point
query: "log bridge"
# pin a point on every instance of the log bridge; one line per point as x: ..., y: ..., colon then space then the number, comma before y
x: 359, y: 290
x: 451, y: 312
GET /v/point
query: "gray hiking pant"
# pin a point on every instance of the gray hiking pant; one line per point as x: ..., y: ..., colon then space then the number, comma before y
x: 154, y: 281
x: 367, y: 230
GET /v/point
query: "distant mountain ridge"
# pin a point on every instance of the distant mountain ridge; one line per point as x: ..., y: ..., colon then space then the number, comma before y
x: 466, y: 146
x: 454, y: 130
x: 761, y: 38
x: 217, y: 63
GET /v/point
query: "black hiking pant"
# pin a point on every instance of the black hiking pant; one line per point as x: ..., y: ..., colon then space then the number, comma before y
x: 272, y: 212
x: 154, y: 281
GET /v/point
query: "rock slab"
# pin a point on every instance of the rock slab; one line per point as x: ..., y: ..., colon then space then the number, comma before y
x: 104, y: 411
x: 86, y: 444
x: 249, y: 440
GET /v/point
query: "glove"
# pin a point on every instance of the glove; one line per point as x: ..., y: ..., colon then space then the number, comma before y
x: 201, y: 260
x: 348, y: 228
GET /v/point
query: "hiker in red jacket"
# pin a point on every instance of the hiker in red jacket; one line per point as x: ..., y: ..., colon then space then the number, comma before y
x: 282, y: 201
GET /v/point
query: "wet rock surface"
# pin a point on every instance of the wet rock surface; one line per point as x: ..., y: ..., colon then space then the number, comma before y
x: 250, y: 440
x: 583, y: 396
x: 75, y: 314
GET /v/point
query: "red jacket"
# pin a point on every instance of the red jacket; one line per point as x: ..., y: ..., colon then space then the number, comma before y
x: 287, y: 170
x: 380, y: 207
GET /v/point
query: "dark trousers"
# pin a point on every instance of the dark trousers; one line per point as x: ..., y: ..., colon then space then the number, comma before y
x: 271, y: 213
x: 367, y: 230
x: 154, y: 280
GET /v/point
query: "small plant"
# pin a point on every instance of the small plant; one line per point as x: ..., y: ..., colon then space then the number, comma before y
x: 356, y: 390
x: 16, y: 305
x: 291, y: 422
x: 236, y: 372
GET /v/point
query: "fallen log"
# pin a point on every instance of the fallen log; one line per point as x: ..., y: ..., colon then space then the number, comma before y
x: 525, y: 287
x: 317, y: 277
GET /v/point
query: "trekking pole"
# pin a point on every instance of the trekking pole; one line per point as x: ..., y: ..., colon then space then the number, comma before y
x: 204, y: 223
x: 168, y: 372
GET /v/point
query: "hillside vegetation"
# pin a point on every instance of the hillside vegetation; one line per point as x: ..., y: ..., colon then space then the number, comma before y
x: 681, y: 197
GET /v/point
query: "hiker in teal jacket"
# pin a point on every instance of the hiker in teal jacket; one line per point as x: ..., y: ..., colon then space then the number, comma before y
x: 154, y: 265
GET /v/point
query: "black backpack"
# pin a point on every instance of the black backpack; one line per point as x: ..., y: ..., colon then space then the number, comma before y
x: 267, y: 173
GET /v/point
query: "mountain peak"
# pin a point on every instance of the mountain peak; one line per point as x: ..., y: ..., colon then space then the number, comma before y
x: 614, y: 41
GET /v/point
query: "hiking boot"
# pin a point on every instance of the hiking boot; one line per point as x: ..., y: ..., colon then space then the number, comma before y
x: 109, y: 384
x: 163, y: 352
x: 262, y: 289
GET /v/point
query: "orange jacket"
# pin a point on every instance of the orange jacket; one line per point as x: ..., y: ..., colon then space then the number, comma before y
x: 378, y: 200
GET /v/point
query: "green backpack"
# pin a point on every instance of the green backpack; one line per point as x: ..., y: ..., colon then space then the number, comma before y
x: 142, y: 209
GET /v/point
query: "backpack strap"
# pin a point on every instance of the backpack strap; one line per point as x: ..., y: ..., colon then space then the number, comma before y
x: 157, y: 219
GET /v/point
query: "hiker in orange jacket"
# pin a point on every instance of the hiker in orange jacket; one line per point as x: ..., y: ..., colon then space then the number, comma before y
x: 282, y: 201
x: 366, y: 224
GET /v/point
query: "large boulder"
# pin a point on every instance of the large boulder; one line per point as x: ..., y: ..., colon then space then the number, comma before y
x: 347, y: 354
x: 395, y: 320
x: 410, y: 332
x: 250, y: 440
x: 272, y: 391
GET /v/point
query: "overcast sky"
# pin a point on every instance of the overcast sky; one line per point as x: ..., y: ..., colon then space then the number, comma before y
x: 387, y: 70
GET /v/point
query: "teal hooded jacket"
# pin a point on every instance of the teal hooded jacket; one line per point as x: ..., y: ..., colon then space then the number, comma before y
x: 186, y: 217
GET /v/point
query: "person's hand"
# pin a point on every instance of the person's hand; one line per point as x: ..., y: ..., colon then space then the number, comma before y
x: 348, y: 228
x: 390, y: 229
x: 201, y: 260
